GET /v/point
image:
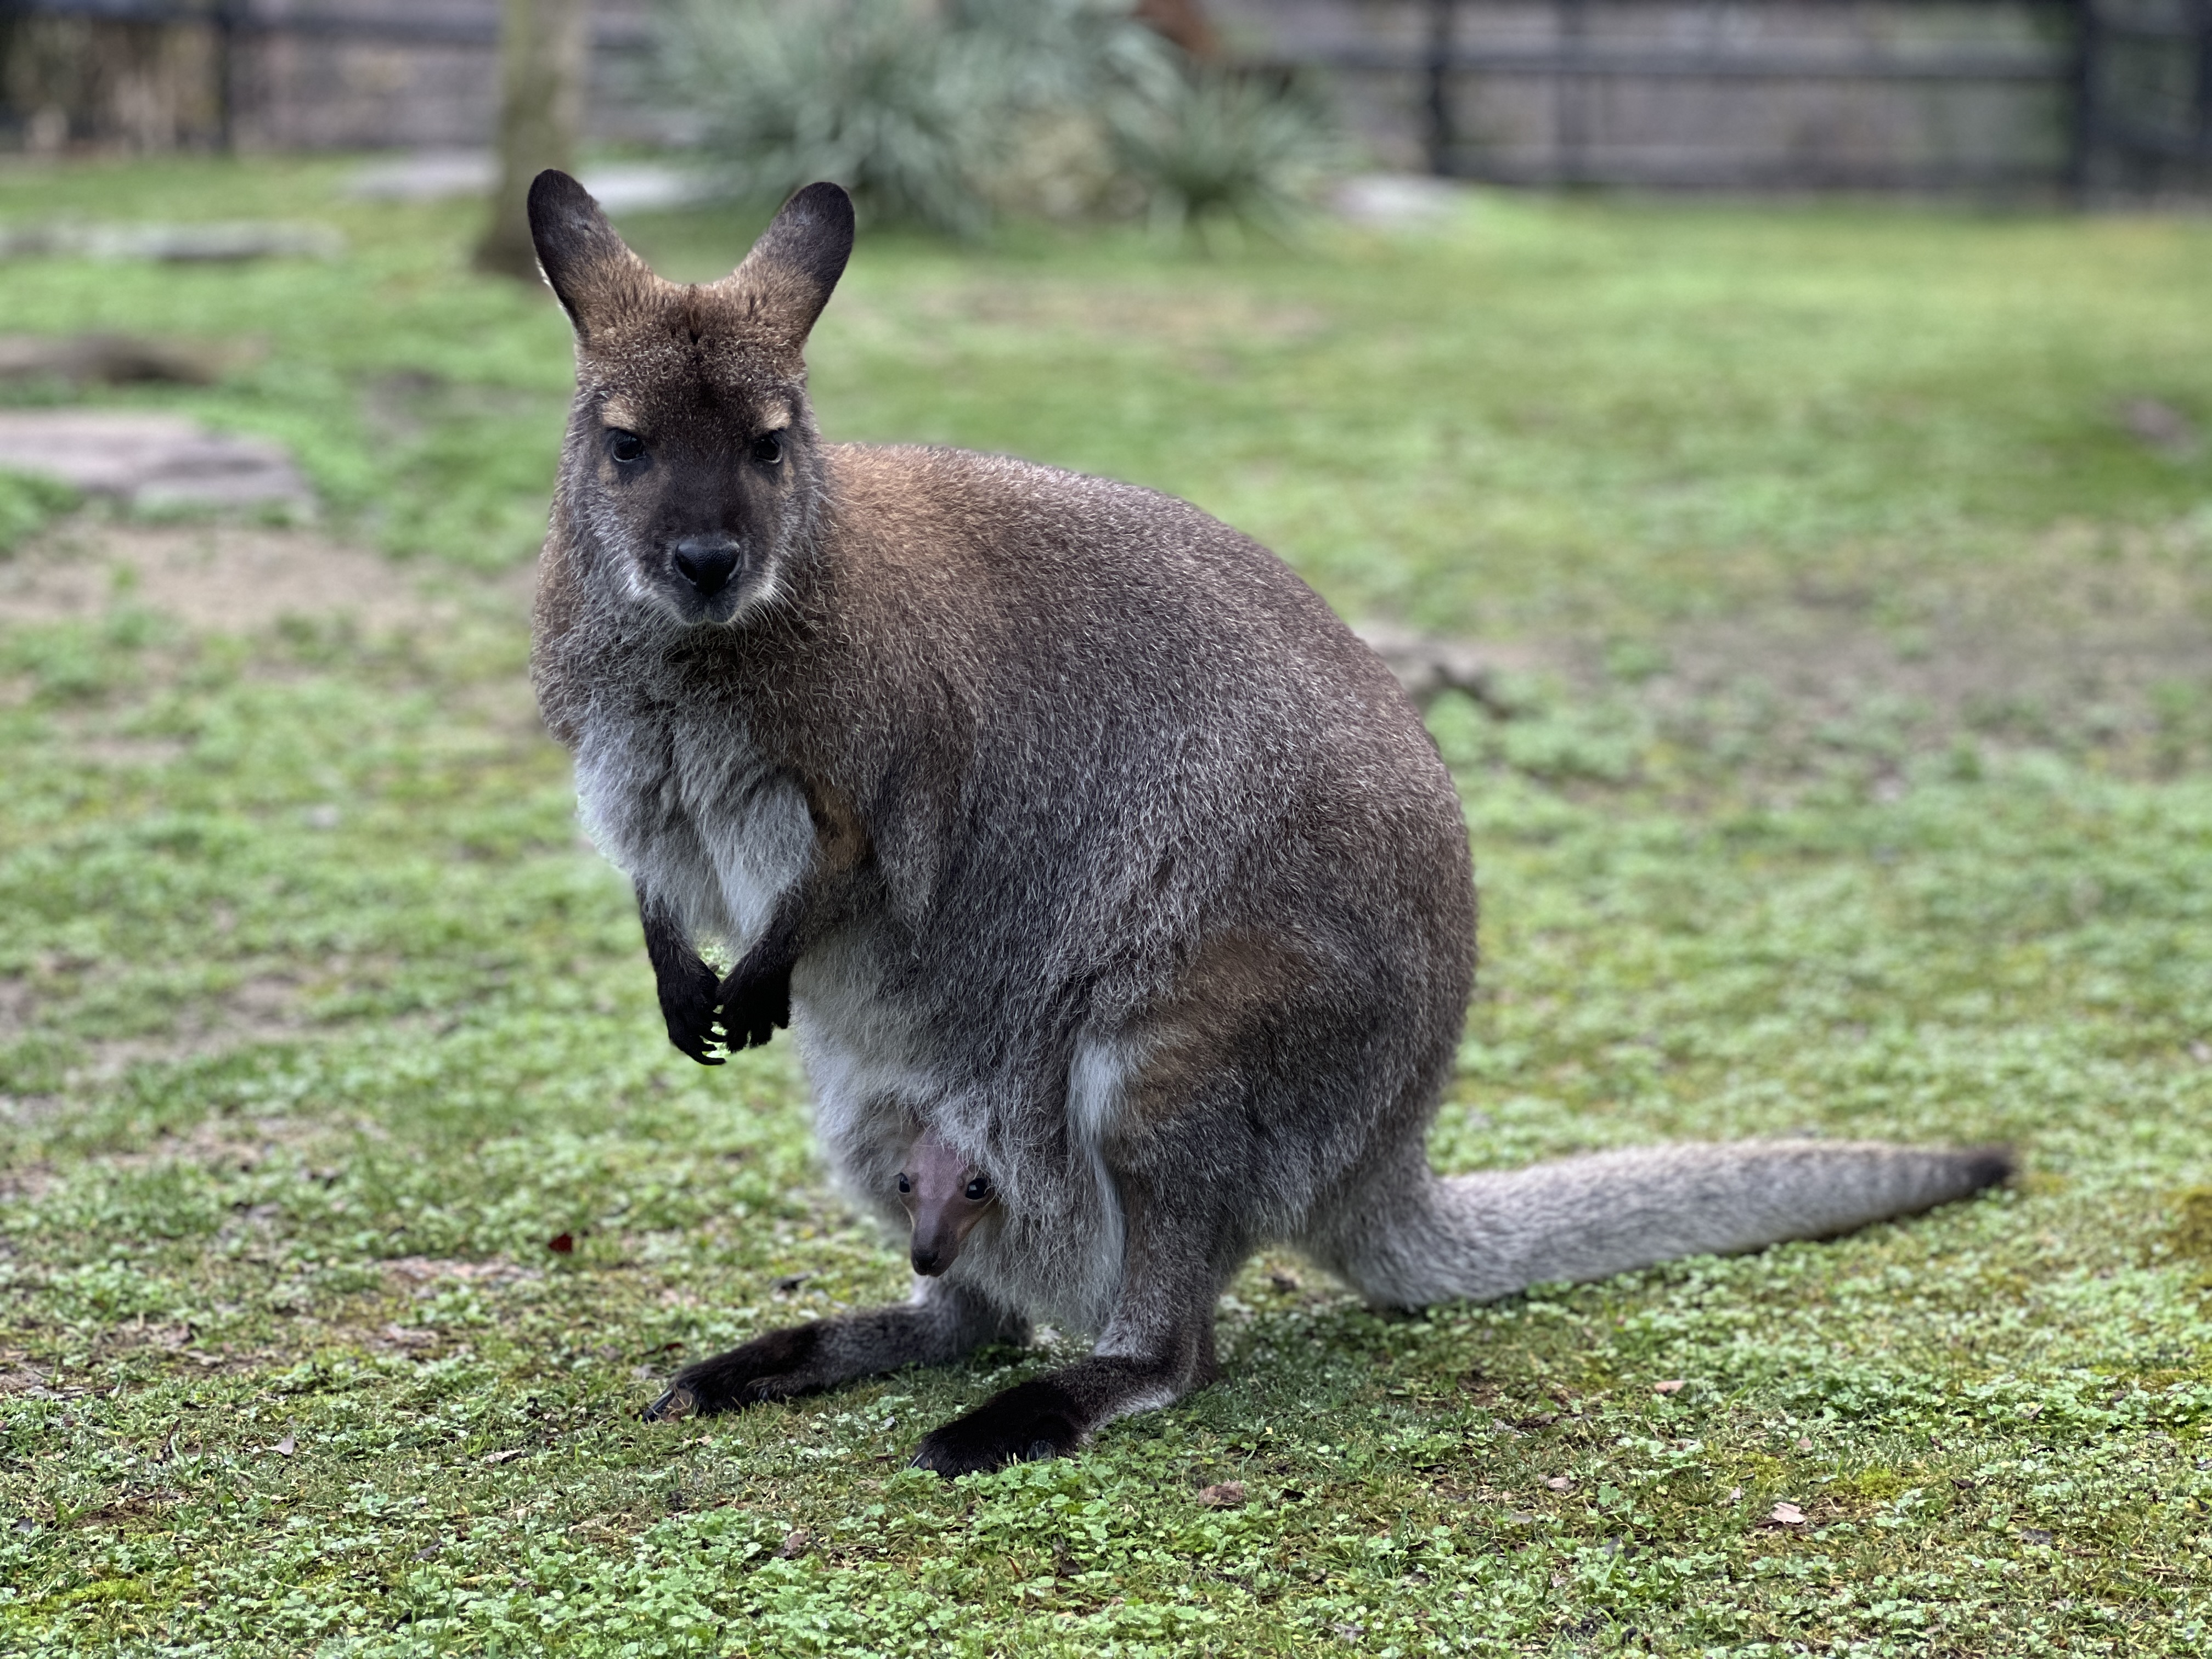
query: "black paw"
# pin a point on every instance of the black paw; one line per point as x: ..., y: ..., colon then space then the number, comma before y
x: 689, y: 994
x: 753, y: 1004
x: 675, y: 1403
x: 772, y: 1367
x: 1029, y: 1422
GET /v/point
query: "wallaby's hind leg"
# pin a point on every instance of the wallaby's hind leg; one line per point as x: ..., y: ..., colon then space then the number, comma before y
x: 939, y: 1325
x: 1157, y: 1346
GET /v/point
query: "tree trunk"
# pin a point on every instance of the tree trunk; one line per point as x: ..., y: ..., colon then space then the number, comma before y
x: 541, y: 98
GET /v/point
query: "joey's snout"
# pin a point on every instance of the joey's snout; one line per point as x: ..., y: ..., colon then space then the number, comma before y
x: 707, y: 562
x: 937, y: 1240
x: 932, y: 1258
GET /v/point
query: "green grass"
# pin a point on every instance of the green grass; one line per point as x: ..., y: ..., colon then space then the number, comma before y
x: 1854, y: 773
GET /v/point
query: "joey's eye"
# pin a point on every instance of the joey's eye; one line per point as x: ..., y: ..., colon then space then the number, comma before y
x: 905, y: 1186
x: 625, y: 446
x: 768, y: 449
x: 979, y: 1189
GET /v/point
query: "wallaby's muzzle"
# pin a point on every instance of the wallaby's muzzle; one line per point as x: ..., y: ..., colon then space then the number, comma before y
x: 707, y: 562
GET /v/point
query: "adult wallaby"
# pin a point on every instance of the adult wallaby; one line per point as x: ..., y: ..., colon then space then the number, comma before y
x: 1064, y: 826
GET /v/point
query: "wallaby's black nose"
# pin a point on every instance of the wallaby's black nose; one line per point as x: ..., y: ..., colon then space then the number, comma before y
x: 707, y: 562
x: 925, y: 1263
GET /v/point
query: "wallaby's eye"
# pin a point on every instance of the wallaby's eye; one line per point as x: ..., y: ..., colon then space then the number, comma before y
x: 768, y: 449
x: 979, y: 1189
x: 626, y: 447
x: 905, y: 1186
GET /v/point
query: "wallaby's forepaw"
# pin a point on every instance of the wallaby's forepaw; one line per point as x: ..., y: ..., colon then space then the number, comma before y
x: 771, y: 1367
x: 1028, y: 1422
x: 753, y: 1006
x: 688, y: 999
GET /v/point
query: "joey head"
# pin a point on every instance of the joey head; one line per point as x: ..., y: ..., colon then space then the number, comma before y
x: 944, y: 1196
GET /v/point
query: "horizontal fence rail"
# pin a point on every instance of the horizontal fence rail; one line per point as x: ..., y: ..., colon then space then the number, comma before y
x: 427, y: 27
x: 1666, y: 64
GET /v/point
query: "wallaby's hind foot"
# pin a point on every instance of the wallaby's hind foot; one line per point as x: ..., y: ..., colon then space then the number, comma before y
x: 939, y: 1325
x: 1051, y: 1416
x: 1025, y: 1423
x: 772, y: 1367
x: 1157, y: 1345
x: 673, y: 1404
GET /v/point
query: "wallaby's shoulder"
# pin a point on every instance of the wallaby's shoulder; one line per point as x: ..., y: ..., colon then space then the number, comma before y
x: 1058, y: 551
x: 997, y: 503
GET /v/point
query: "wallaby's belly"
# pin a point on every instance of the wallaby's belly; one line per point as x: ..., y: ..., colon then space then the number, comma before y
x: 879, y: 1074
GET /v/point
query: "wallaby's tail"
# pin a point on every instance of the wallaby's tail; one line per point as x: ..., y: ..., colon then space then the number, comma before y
x: 1480, y: 1236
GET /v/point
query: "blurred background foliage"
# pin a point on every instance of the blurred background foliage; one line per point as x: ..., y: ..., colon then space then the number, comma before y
x: 941, y: 115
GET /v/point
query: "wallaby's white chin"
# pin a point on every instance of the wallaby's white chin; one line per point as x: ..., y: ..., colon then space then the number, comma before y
x: 684, y: 605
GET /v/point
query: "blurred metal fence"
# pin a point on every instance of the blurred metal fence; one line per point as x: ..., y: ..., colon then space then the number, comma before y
x: 2144, y: 91
x: 285, y: 74
x: 1590, y: 72
x: 2086, y: 95
x: 2090, y: 96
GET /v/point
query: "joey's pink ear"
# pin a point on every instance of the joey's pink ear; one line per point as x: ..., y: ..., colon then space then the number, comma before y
x: 798, y: 261
x: 591, y: 269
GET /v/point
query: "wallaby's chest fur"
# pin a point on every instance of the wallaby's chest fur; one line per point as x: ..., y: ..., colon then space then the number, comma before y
x: 1079, y: 845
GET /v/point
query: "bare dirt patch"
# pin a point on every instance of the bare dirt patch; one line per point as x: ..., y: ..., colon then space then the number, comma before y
x: 2089, y: 637
x: 2086, y: 636
x: 222, y: 577
x: 263, y: 1009
x: 423, y: 1271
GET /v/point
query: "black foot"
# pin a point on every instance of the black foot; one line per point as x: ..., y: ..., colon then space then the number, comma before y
x: 676, y: 1403
x: 1026, y: 1423
x: 772, y: 1367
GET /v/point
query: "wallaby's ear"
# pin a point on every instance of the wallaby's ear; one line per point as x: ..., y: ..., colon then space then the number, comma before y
x: 798, y: 261
x: 589, y: 268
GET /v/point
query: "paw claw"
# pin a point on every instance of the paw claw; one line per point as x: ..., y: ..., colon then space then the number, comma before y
x: 674, y: 1404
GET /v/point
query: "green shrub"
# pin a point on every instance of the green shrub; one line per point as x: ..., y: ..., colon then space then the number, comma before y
x: 931, y: 114
x: 1221, y: 144
x: 874, y: 94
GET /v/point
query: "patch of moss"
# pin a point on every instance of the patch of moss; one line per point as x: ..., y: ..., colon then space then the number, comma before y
x: 2191, y: 1234
x: 25, y: 503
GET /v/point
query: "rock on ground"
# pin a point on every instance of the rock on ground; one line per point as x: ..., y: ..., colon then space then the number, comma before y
x: 149, y: 461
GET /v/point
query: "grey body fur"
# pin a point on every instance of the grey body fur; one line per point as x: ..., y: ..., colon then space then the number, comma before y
x: 1066, y: 826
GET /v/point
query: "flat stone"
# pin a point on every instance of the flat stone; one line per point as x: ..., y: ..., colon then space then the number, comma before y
x: 105, y: 359
x: 1427, y: 666
x: 214, y: 241
x: 1391, y: 199
x: 149, y: 461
